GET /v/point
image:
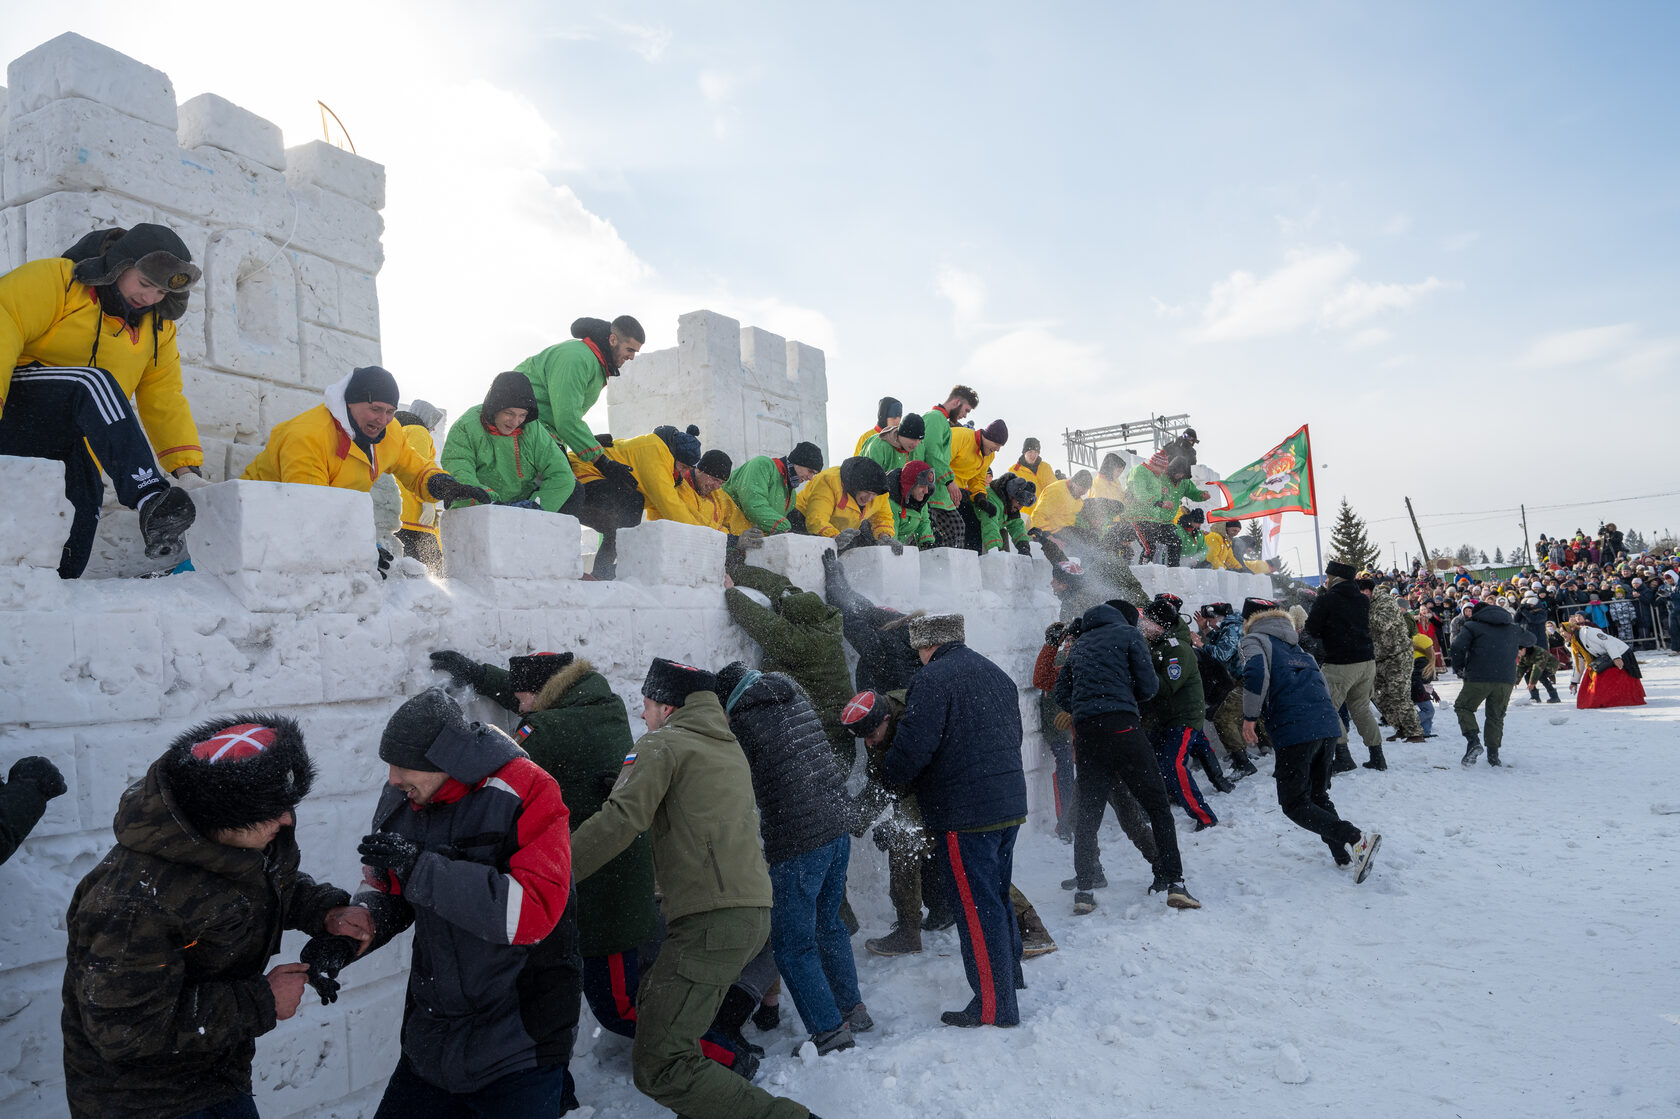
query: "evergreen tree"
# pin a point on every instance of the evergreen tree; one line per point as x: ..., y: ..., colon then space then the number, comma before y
x: 1483, y: 556
x: 1255, y: 538
x: 1465, y: 554
x: 1498, y: 555
x: 1348, y: 542
x: 1633, y: 540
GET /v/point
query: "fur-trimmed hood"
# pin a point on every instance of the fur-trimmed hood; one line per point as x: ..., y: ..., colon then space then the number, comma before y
x: 560, y: 683
x: 1273, y: 623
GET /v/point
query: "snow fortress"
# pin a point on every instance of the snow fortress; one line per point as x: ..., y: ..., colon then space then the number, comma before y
x: 284, y: 612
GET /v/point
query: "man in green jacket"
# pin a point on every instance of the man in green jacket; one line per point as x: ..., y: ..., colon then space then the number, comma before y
x: 568, y: 377
x: 763, y: 488
x: 503, y: 446
x: 936, y: 452
x: 688, y: 784
x: 896, y: 446
x: 1174, y: 718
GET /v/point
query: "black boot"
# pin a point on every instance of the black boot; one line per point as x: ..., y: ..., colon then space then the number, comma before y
x: 1472, y: 751
x: 164, y: 520
x: 737, y: 1006
x: 1344, y: 760
x: 1216, y: 773
x: 1377, y: 760
x: 1240, y: 765
x: 1493, y: 756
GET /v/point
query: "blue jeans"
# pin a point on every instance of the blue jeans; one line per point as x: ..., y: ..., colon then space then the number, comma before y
x: 239, y: 1107
x: 1426, y: 715
x: 813, y: 949
x: 536, y: 1093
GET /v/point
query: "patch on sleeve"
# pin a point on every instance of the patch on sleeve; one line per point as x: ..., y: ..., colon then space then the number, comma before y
x: 624, y: 770
x: 523, y: 733
x: 1174, y: 669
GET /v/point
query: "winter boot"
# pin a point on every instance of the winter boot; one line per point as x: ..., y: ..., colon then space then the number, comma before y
x: 163, y: 520
x: 938, y: 917
x: 1493, y: 756
x: 1084, y: 903
x: 1551, y: 692
x: 1377, y: 760
x: 830, y: 1041
x: 737, y: 1006
x: 1472, y: 751
x: 1534, y: 695
x: 1241, y: 766
x: 768, y: 1016
x: 904, y: 940
x: 1035, y: 938
x: 1344, y: 760
x: 1177, y: 896
x: 1099, y: 883
x: 858, y: 1019
x: 1216, y: 774
x: 1362, y: 853
x: 746, y: 1065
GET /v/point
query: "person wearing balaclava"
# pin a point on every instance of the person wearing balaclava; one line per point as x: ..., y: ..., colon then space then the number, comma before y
x: 79, y: 335
x: 349, y: 440
x: 419, y: 526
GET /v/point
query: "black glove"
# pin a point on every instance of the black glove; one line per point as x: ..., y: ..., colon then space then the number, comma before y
x: 846, y: 539
x: 41, y: 773
x: 1023, y: 547
x: 385, y: 558
x: 390, y: 852
x: 444, y: 487
x: 616, y: 472
x: 1054, y: 632
x: 603, y: 438
x: 326, y: 957
x: 986, y: 505
x: 528, y: 503
x: 462, y: 669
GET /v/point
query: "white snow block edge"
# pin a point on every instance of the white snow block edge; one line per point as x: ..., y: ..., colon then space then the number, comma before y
x: 795, y: 557
x: 670, y: 553
x: 281, y: 528
x: 950, y: 571
x: 215, y: 122
x: 34, y: 513
x: 883, y: 578
x: 73, y: 67
x: 495, y: 542
x: 319, y: 163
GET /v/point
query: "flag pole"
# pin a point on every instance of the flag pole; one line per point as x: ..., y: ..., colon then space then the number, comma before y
x: 1317, y: 543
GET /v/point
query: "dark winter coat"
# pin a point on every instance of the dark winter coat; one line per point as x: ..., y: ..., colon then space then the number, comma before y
x: 1341, y: 618
x: 879, y: 635
x: 1282, y: 683
x: 799, y: 788
x: 959, y: 743
x: 1179, y: 702
x: 21, y: 808
x: 1485, y: 651
x: 170, y: 937
x: 578, y: 731
x: 1533, y: 619
x: 1109, y: 670
x: 495, y: 984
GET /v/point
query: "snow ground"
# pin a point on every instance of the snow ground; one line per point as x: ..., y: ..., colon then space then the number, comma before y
x: 1512, y: 954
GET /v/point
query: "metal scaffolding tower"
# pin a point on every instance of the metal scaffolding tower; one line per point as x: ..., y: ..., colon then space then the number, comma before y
x: 1086, y: 447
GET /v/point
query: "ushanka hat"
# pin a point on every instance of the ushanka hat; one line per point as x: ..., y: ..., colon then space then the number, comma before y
x: 1253, y: 606
x: 156, y: 250
x: 932, y: 630
x: 672, y: 682
x: 1338, y: 570
x: 863, y: 713
x: 236, y: 772
x: 529, y: 674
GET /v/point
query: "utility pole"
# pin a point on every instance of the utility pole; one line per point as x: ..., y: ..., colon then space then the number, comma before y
x: 1528, y: 552
x: 1423, y: 548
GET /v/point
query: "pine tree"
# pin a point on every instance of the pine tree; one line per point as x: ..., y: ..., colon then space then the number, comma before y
x: 1465, y: 554
x: 1483, y: 557
x: 1348, y: 541
x: 1498, y: 555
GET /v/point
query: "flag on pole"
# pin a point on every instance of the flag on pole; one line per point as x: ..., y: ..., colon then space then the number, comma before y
x: 1279, y: 481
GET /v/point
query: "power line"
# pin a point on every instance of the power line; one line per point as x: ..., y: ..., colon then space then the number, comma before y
x: 1513, y: 508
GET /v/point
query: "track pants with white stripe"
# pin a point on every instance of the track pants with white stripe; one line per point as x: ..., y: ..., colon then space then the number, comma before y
x: 50, y: 411
x: 977, y: 867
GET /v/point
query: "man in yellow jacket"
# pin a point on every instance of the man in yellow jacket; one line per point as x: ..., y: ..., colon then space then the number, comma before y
x: 888, y: 413
x: 419, y: 531
x: 1220, y: 554
x: 971, y: 460
x: 702, y: 497
x: 349, y: 440
x: 839, y: 500
x: 1058, y: 507
x: 79, y: 335
x: 1033, y: 468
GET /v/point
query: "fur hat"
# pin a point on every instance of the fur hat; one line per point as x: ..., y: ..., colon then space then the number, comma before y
x: 932, y: 630
x: 156, y: 250
x: 672, y: 682
x: 508, y: 390
x: 887, y: 409
x: 529, y: 674
x: 1126, y: 609
x: 238, y: 771
x: 1335, y: 569
x: 863, y: 713
x: 997, y: 431
x: 717, y: 464
x: 1163, y: 610
x: 415, y: 725
x: 1019, y: 490
x: 683, y: 445
x: 1253, y: 606
x: 912, y: 426
x: 908, y: 474
x: 806, y: 455
x: 371, y: 384
x: 859, y: 474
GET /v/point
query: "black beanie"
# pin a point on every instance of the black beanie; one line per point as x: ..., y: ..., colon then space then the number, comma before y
x: 672, y: 682
x: 683, y: 445
x: 862, y: 474
x: 1126, y: 608
x: 913, y: 426
x: 863, y: 713
x: 238, y: 771
x: 1337, y: 570
x: 529, y: 674
x: 416, y: 725
x: 509, y: 390
x: 717, y: 464
x: 371, y: 384
x: 806, y: 455
x: 886, y: 410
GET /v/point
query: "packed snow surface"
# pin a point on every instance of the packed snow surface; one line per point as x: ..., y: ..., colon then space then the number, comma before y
x: 1514, y: 953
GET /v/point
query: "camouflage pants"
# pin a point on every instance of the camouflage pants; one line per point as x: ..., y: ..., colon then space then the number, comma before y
x: 1393, y: 695
x: 1536, y: 665
x: 1227, y: 723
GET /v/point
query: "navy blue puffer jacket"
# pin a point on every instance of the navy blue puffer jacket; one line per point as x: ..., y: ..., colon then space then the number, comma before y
x: 1109, y: 670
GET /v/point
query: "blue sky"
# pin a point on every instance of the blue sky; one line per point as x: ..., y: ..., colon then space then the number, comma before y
x: 1443, y: 234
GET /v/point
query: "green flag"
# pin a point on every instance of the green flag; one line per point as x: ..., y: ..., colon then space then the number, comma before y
x: 1279, y: 481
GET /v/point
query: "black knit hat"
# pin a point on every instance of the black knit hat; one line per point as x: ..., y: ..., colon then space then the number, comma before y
x: 717, y: 464
x: 912, y: 427
x: 529, y: 674
x: 1253, y: 606
x: 806, y: 455
x: 238, y: 771
x: 683, y: 445
x: 672, y: 682
x: 508, y: 390
x: 997, y: 431
x: 859, y: 474
x: 156, y: 250
x: 1031, y: 443
x: 371, y: 383
x: 1125, y: 608
x: 1337, y: 570
x: 416, y: 725
x: 886, y: 410
x: 863, y: 713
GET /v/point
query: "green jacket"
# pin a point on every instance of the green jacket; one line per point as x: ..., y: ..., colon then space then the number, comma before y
x: 170, y: 937
x: 1179, y: 701
x: 763, y: 488
x: 1003, y: 530
x: 802, y: 637
x: 912, y: 526
x: 21, y: 808
x: 890, y: 457
x: 577, y: 730
x: 512, y: 467
x: 936, y: 452
x: 567, y: 379
x: 689, y: 786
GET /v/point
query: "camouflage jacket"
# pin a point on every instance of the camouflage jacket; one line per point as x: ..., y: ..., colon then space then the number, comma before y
x: 170, y: 937
x: 1391, y: 630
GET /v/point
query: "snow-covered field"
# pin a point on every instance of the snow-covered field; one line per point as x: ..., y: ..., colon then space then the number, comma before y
x: 1516, y: 952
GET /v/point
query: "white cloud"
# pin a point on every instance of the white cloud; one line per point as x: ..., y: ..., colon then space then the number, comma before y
x: 1035, y: 355
x: 1574, y: 347
x: 717, y: 86
x: 966, y: 292
x: 1313, y: 288
x: 1375, y: 336
x: 1293, y: 228
x: 648, y: 40
x: 1359, y: 300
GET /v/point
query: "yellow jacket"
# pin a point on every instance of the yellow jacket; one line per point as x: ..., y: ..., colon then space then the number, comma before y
x: 866, y: 437
x: 829, y: 510
x: 716, y: 510
x: 314, y: 448
x: 655, y: 468
x: 417, y: 513
x: 1219, y: 552
x: 1041, y: 478
x: 47, y: 317
x: 1057, y: 508
x: 1112, y: 491
x: 967, y: 463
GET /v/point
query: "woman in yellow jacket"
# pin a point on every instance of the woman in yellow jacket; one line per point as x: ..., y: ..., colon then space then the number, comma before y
x: 349, y: 440
x: 79, y: 335
x: 1220, y: 554
x: 842, y: 497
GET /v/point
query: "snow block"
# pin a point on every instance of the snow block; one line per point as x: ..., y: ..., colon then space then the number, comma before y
x: 56, y: 221
x: 670, y: 553
x: 949, y: 573
x: 34, y: 513
x: 482, y: 543
x: 222, y: 405
x: 215, y: 122
x: 883, y: 578
x: 795, y: 557
x: 1006, y: 573
x: 73, y: 67
x: 281, y: 528
x: 329, y: 354
x: 319, y: 163
x: 251, y: 314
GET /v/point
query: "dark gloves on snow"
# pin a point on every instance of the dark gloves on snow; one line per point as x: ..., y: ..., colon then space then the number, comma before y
x: 384, y: 559
x: 326, y: 957
x: 1053, y: 634
x: 986, y: 505
x: 753, y: 538
x: 846, y: 539
x: 892, y: 542
x: 390, y: 852
x: 41, y: 773
x: 444, y: 487
x: 1023, y: 547
x: 616, y: 472
x: 462, y: 669
x: 526, y: 504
